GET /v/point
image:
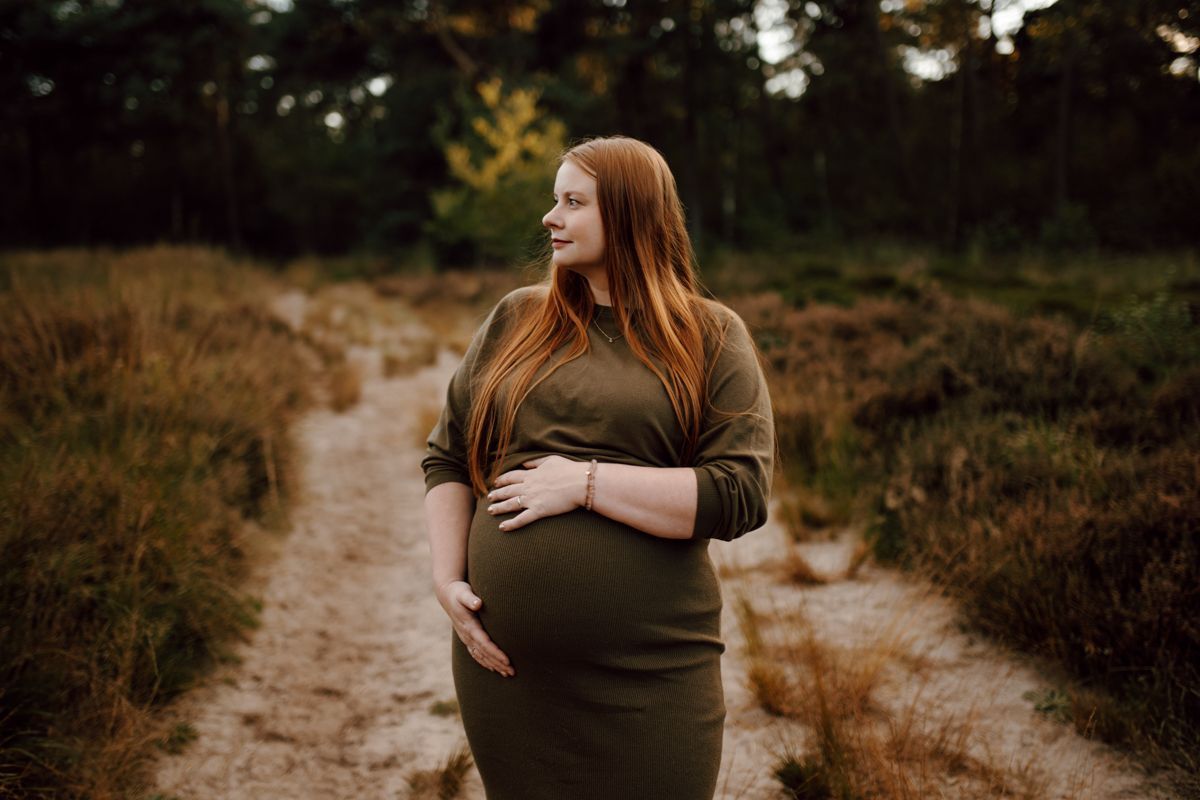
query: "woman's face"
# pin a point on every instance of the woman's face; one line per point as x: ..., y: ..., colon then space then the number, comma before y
x: 574, y: 222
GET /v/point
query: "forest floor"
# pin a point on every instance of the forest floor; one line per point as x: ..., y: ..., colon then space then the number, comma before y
x: 345, y: 689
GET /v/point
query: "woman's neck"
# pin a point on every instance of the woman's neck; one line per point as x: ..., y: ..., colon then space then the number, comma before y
x: 600, y: 295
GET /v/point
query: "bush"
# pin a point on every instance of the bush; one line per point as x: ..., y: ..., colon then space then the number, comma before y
x: 146, y: 400
x: 505, y: 179
x: 1049, y: 474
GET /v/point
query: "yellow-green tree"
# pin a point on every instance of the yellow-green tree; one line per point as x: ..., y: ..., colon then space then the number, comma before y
x: 504, y: 177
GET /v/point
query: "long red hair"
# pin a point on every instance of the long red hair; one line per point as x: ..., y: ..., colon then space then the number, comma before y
x: 655, y: 293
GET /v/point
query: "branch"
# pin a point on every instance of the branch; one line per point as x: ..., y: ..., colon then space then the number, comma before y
x: 437, y: 22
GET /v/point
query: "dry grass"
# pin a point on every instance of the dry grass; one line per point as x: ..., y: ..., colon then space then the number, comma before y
x: 1048, y: 474
x: 859, y: 748
x: 860, y: 556
x: 144, y: 448
x: 443, y: 783
x: 342, y: 317
x: 804, y: 513
x: 345, y: 386
x: 440, y: 299
x: 413, y: 356
x: 798, y: 570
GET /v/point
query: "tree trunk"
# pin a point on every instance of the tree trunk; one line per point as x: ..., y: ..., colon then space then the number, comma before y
x: 35, y: 214
x: 773, y: 151
x: 969, y: 178
x: 891, y: 103
x: 954, y: 189
x: 225, y: 161
x: 1063, y: 138
x: 441, y: 30
x: 693, y: 58
x: 824, y: 136
x: 729, y: 180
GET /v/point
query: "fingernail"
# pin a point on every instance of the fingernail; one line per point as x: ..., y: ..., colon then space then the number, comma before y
x: 503, y: 526
x: 491, y: 509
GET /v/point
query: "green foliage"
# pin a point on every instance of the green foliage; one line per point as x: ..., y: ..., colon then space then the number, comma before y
x: 316, y: 129
x: 1053, y: 703
x: 1068, y: 229
x: 444, y: 708
x: 886, y: 535
x: 505, y: 178
x: 1159, y: 333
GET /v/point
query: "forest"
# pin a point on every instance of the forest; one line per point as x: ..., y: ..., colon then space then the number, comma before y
x: 426, y: 130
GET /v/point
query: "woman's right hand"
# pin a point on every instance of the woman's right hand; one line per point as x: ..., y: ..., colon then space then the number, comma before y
x: 461, y: 605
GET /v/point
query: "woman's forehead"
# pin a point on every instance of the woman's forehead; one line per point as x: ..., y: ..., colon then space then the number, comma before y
x: 574, y: 180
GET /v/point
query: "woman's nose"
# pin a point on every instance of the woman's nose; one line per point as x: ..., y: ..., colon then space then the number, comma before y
x: 549, y: 220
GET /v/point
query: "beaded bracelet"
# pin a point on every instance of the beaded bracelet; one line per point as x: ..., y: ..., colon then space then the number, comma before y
x: 591, y: 485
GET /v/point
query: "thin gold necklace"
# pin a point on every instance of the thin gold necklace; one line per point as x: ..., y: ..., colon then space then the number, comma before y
x: 606, y: 336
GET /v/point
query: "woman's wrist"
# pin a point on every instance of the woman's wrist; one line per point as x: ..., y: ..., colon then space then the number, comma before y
x: 589, y: 485
x: 441, y: 583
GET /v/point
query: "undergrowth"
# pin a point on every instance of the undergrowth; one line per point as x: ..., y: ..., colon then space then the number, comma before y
x: 145, y: 400
x: 1048, y: 472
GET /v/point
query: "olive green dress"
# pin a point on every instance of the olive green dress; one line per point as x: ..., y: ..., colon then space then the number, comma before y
x: 614, y: 634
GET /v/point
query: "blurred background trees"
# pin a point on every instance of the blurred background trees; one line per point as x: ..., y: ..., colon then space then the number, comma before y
x: 502, y: 179
x: 330, y: 126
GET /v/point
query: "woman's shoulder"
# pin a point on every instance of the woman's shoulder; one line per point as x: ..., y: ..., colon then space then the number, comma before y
x: 721, y: 321
x: 716, y: 310
x: 533, y: 291
x: 516, y: 302
x: 521, y: 299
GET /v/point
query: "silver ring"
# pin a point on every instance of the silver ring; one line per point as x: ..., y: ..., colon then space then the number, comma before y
x: 522, y: 505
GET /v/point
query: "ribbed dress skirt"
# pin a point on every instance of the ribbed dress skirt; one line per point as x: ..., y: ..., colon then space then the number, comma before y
x: 614, y: 635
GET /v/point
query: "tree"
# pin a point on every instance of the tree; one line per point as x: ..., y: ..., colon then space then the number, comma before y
x: 505, y: 175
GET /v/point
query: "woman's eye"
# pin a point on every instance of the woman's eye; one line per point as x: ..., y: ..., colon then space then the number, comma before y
x: 572, y: 200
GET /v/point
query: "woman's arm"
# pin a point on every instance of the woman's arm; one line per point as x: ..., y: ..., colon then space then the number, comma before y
x: 660, y: 501
x: 448, y: 510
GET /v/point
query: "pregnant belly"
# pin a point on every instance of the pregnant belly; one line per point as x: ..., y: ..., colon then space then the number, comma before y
x: 580, y: 586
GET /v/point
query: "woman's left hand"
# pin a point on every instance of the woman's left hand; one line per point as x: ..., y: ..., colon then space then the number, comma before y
x: 550, y: 485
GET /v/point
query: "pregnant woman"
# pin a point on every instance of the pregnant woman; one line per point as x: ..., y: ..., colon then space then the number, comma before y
x: 604, y: 426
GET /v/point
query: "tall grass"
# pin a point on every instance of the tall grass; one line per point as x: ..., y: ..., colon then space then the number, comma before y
x: 145, y: 400
x: 862, y: 747
x: 1047, y: 471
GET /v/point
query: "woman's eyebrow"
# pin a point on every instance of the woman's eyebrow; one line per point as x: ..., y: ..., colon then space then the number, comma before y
x: 572, y: 192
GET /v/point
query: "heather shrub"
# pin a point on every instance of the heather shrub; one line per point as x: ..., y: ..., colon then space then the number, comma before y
x: 144, y: 447
x: 1047, y: 472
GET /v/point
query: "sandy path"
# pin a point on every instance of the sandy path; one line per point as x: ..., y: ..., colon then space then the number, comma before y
x: 956, y: 681
x: 333, y: 697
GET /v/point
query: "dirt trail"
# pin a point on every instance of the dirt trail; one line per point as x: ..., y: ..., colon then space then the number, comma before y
x: 335, y: 695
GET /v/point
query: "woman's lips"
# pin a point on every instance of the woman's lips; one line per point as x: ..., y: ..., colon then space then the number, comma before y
x: 557, y: 243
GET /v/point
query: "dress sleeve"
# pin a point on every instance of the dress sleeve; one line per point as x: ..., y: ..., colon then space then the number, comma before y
x: 735, y: 457
x: 446, y: 446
